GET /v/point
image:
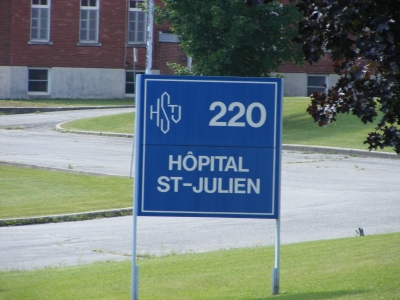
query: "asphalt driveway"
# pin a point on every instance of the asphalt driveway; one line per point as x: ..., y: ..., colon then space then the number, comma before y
x: 324, y: 196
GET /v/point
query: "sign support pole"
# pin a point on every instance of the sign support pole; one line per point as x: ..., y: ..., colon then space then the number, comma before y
x: 135, y: 268
x: 275, y: 271
x: 134, y: 58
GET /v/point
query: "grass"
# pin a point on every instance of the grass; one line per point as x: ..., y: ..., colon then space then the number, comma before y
x: 12, y: 127
x: 28, y: 192
x: 65, y: 102
x: 121, y: 123
x: 298, y: 127
x: 352, y: 268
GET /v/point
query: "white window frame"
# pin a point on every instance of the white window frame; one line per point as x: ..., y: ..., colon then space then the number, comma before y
x: 47, y: 92
x: 318, y: 89
x: 40, y: 9
x: 89, y: 10
x: 132, y: 82
x: 136, y: 11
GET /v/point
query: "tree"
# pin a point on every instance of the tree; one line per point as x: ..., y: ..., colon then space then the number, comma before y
x: 233, y: 37
x: 364, y: 39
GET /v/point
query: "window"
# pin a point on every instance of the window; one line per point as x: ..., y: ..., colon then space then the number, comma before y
x: 316, y: 83
x: 38, y: 80
x: 137, y: 23
x: 130, y: 81
x: 89, y: 26
x: 40, y: 20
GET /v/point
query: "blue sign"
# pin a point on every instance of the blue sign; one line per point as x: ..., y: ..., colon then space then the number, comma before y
x: 208, y: 146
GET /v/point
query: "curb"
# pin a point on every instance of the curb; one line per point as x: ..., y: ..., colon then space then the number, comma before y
x: 30, y: 110
x: 59, y: 128
x: 340, y: 151
x: 67, y: 218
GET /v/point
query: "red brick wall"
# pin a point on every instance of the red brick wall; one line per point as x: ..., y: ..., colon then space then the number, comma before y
x: 64, y: 34
x: 324, y: 66
x: 170, y: 52
x: 156, y: 45
x: 5, y: 32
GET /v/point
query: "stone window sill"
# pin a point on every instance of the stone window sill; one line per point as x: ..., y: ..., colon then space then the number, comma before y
x: 89, y: 44
x: 136, y: 45
x: 40, y: 43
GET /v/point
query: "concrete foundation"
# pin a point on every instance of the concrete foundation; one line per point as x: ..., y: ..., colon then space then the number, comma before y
x: 95, y: 83
x: 72, y: 83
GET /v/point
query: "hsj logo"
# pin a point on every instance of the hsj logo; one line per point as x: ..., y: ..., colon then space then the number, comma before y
x: 165, y: 112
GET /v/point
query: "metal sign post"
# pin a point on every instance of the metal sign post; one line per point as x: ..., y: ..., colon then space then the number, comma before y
x: 209, y: 147
x: 276, y: 269
x: 135, y: 60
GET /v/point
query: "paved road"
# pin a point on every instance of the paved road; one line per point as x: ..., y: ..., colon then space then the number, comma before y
x: 39, y: 144
x: 323, y: 197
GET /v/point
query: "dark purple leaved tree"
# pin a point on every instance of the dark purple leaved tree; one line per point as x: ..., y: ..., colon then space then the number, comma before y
x: 364, y: 39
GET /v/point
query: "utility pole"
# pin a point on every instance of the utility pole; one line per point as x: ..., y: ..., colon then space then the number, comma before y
x: 150, y: 37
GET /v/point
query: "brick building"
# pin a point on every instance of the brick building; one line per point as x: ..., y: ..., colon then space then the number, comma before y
x: 303, y: 80
x: 77, y: 48
x: 84, y: 49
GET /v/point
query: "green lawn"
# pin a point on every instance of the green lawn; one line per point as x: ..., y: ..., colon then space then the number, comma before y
x: 65, y: 102
x: 352, y: 268
x: 298, y: 127
x: 28, y: 192
x: 121, y: 123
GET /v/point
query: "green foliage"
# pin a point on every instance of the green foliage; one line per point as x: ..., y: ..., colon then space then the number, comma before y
x: 179, y: 69
x: 364, y: 40
x: 226, y: 38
